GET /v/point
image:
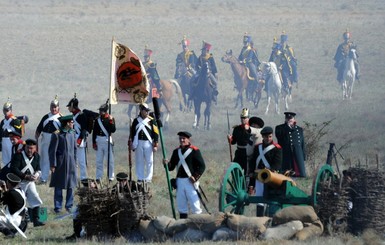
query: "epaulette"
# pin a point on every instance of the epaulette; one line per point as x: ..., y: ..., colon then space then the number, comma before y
x: 194, y: 147
x: 277, y: 145
x: 57, y: 131
x: 235, y: 126
x: 151, y: 118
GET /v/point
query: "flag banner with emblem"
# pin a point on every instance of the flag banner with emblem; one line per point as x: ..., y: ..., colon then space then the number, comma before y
x: 129, y: 83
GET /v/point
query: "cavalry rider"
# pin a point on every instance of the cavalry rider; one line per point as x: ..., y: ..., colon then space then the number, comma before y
x: 249, y: 56
x: 8, y: 124
x: 187, y: 59
x: 342, y: 53
x: 290, y: 60
x: 206, y: 68
x: 151, y: 71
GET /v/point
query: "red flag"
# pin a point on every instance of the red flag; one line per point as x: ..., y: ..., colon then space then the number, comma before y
x: 129, y: 83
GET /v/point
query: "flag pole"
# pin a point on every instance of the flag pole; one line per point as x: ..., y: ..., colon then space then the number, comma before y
x: 159, y: 124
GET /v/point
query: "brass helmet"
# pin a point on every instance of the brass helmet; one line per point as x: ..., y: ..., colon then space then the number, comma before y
x: 7, y: 105
x: 55, y: 102
x: 245, y: 112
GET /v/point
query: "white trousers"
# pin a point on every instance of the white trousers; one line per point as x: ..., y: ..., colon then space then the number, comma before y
x: 81, y: 161
x: 44, y: 158
x: 6, y: 150
x: 101, y: 154
x: 144, y: 159
x: 33, y: 198
x: 187, y: 196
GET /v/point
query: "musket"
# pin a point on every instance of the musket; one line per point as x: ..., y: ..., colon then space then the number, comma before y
x: 228, y: 132
x: 200, y: 197
x: 159, y: 124
x: 129, y: 151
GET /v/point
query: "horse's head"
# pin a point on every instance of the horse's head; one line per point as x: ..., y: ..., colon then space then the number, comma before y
x: 228, y: 56
x: 353, y: 53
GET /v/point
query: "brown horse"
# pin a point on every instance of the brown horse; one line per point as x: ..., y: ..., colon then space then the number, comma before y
x: 165, y: 99
x: 243, y: 81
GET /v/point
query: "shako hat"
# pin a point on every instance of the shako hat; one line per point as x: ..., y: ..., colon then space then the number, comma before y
x: 144, y: 106
x: 147, y: 51
x: 247, y: 38
x: 11, y: 177
x: 185, y: 42
x: 14, y: 133
x: 31, y: 142
x: 346, y: 35
x: 256, y: 120
x: 74, y: 102
x: 103, y: 107
x: 206, y: 45
x: 284, y: 37
x: 267, y: 130
x: 185, y: 134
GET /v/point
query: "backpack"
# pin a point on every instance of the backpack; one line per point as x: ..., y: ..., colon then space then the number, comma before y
x: 90, y: 118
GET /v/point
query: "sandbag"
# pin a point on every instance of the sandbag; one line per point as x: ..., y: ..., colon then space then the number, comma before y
x: 176, y: 227
x: 247, y: 227
x: 191, y: 235
x: 148, y: 230
x: 310, y: 230
x: 306, y: 214
x: 283, y: 231
x: 224, y: 234
x: 206, y: 222
x: 163, y: 222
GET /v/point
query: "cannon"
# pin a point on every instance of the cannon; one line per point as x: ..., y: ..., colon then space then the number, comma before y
x: 279, y: 190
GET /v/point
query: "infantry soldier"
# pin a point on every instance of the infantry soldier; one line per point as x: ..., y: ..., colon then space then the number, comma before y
x: 104, y: 126
x: 8, y: 124
x: 26, y: 165
x: 241, y: 137
x: 14, y: 201
x: 80, y: 126
x: 267, y: 154
x: 249, y: 56
x: 189, y: 164
x: 206, y: 69
x: 256, y: 125
x: 342, y: 53
x: 144, y: 141
x: 290, y: 137
x: 151, y: 71
x: 17, y: 146
x: 47, y: 126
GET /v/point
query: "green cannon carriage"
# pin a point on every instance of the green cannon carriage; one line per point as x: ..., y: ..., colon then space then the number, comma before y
x: 280, y: 191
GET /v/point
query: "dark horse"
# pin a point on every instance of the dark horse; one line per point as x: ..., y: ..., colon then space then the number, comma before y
x: 165, y: 100
x: 184, y: 76
x: 243, y: 81
x: 202, y: 93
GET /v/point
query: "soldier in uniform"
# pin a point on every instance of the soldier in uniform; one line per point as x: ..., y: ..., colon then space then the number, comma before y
x: 151, y: 71
x: 14, y: 201
x: 241, y: 137
x: 249, y: 56
x: 8, y: 124
x: 144, y: 141
x: 206, y: 69
x: 61, y: 153
x: 256, y: 125
x: 289, y: 63
x: 185, y: 67
x: 267, y: 154
x: 47, y: 126
x: 189, y: 164
x: 26, y: 165
x: 104, y: 126
x: 17, y: 146
x: 290, y: 137
x: 80, y: 127
x: 342, y: 53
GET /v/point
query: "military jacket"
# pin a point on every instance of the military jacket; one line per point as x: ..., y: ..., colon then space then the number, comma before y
x: 152, y: 130
x: 206, y: 64
x: 188, y: 60
x: 108, y: 124
x: 10, y: 124
x: 249, y: 55
x: 151, y: 70
x: 18, y: 163
x: 194, y: 162
x: 273, y: 157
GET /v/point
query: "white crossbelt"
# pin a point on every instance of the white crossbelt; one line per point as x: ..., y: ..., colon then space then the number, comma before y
x: 28, y: 164
x: 262, y: 155
x: 54, y: 119
x: 182, y: 161
x: 142, y: 123
x: 76, y: 124
x: 7, y: 125
x: 103, y: 128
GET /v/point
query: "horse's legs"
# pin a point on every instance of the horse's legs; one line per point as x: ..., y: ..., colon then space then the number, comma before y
x: 276, y: 99
x: 207, y: 116
x: 268, y: 104
x: 197, y: 111
x: 351, y: 88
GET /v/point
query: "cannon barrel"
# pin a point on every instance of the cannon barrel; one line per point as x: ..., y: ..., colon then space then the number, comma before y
x: 273, y: 179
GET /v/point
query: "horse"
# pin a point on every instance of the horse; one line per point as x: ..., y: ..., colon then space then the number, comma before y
x: 243, y: 81
x: 349, y: 75
x: 165, y: 99
x: 202, y: 93
x: 274, y: 84
x: 184, y: 76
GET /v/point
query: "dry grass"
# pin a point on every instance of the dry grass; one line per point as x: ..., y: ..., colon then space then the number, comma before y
x: 62, y: 47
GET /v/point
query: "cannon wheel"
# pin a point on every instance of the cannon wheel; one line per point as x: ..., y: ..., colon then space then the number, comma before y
x: 233, y: 193
x: 325, y: 176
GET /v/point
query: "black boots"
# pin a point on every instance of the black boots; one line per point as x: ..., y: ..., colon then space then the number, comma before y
x: 35, y: 217
x: 183, y: 216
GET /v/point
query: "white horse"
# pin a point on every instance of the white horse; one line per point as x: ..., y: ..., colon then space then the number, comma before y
x: 349, y: 74
x: 274, y: 83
